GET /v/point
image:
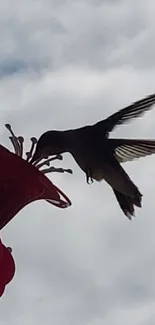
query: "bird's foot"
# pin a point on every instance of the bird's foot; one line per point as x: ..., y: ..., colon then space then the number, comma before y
x: 89, y: 177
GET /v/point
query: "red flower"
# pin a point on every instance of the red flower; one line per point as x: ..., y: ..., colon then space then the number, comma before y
x: 7, y: 267
x: 22, y: 183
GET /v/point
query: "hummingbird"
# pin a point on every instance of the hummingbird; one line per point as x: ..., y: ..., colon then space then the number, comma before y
x: 99, y: 156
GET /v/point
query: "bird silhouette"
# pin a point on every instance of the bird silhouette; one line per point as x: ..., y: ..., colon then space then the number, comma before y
x: 100, y: 156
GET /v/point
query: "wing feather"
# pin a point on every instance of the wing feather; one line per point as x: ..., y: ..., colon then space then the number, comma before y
x: 132, y: 111
x: 128, y: 150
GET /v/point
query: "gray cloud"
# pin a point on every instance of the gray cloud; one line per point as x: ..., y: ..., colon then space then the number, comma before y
x: 64, y: 64
x: 95, y: 34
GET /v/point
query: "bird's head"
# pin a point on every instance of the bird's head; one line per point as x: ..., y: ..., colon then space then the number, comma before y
x: 50, y: 143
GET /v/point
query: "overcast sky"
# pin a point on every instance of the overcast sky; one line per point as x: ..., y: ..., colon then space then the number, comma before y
x: 64, y: 64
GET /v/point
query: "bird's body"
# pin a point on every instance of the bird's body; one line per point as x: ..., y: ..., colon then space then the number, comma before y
x: 100, y: 157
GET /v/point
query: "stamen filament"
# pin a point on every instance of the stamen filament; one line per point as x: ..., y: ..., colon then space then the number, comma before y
x: 21, y: 141
x: 14, y: 138
x: 53, y: 169
x: 47, y: 162
x: 18, y: 145
x: 29, y: 154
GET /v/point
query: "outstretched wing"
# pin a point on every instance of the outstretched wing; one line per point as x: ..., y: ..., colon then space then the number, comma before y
x: 135, y: 110
x: 128, y: 150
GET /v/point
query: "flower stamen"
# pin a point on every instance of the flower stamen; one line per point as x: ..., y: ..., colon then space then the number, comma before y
x: 18, y: 145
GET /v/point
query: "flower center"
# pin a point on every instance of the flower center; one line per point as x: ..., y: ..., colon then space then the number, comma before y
x: 18, y: 146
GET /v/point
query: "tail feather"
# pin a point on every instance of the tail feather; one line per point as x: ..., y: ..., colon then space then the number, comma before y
x: 127, y: 203
x: 115, y: 175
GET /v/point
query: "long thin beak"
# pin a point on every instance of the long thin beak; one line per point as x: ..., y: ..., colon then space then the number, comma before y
x: 35, y: 159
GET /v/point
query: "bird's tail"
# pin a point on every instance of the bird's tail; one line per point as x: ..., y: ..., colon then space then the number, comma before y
x: 127, y: 203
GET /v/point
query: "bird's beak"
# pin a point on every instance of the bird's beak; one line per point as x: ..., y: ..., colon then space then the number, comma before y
x: 36, y: 158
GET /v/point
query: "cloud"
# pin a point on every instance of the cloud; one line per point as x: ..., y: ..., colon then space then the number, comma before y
x: 64, y: 64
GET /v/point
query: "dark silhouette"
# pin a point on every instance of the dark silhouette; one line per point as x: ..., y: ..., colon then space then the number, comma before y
x: 100, y: 157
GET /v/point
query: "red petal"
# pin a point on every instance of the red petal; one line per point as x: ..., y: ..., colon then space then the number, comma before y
x: 7, y: 267
x: 22, y: 183
x: 2, y: 288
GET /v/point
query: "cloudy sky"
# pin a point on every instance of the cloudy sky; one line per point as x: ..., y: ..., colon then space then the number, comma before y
x: 63, y: 64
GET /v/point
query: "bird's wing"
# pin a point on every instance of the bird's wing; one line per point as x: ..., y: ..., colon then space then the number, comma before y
x: 134, y: 110
x: 128, y: 150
